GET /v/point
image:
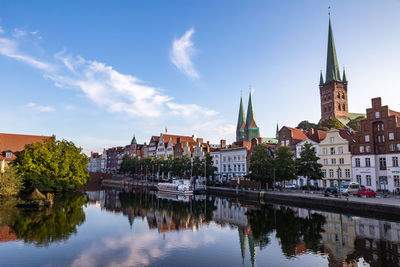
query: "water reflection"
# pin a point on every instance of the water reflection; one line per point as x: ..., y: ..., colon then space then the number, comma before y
x: 44, y: 227
x: 202, y: 230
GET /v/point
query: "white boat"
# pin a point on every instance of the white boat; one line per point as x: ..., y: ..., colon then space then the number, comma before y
x: 181, y: 186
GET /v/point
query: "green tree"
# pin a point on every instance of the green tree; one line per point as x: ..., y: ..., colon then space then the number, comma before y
x: 355, y: 124
x: 127, y: 165
x: 329, y: 124
x: 261, y: 166
x: 307, y: 164
x: 10, y: 182
x: 284, y: 164
x: 197, y: 166
x: 210, y: 168
x: 52, y: 166
x: 305, y: 125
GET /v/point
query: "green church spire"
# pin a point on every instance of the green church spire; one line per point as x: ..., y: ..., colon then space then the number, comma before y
x: 321, y: 79
x: 251, y: 129
x: 344, y: 76
x: 240, y: 135
x: 133, y: 140
x: 332, y: 70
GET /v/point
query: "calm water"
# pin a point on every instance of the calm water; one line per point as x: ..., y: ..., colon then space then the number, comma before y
x: 113, y: 228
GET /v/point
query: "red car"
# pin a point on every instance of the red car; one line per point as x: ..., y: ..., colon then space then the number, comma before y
x: 366, y: 192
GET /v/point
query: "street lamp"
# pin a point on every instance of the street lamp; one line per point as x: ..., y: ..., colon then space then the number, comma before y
x: 339, y: 172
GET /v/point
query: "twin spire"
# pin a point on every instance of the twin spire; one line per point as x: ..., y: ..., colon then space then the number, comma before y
x: 247, y: 128
x: 332, y: 66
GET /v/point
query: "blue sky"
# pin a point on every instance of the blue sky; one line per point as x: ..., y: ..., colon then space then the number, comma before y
x: 97, y: 72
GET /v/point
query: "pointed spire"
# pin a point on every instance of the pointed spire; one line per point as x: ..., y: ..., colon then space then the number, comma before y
x: 240, y: 135
x: 332, y: 70
x: 277, y: 131
x: 321, y: 79
x: 344, y: 76
x: 250, y: 112
x: 133, y: 140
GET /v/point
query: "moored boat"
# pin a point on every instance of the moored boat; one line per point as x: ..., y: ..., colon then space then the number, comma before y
x: 180, y: 186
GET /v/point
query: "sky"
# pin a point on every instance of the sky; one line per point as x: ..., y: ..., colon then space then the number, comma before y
x: 98, y: 72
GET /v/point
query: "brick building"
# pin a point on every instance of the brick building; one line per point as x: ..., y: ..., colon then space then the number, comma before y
x: 376, y: 152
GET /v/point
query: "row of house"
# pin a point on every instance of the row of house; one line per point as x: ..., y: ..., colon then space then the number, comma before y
x: 369, y: 157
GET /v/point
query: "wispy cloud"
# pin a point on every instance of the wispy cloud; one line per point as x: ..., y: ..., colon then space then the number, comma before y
x: 181, y: 54
x: 19, y: 33
x: 9, y: 48
x: 1, y: 30
x: 40, y: 108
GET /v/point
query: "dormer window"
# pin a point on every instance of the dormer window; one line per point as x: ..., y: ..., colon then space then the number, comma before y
x: 9, y: 154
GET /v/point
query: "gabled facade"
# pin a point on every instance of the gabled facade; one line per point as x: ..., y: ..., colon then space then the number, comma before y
x: 376, y: 152
x: 333, y: 91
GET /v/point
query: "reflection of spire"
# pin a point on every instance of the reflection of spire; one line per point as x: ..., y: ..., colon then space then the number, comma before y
x: 243, y: 243
x: 252, y: 248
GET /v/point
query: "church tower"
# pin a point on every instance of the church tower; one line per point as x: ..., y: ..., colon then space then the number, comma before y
x: 251, y: 129
x: 240, y: 134
x: 333, y: 91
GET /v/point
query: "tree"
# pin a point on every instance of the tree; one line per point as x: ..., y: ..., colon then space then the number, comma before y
x: 10, y: 182
x: 305, y: 125
x: 261, y: 166
x: 197, y: 166
x: 355, y: 124
x: 330, y: 123
x: 210, y: 168
x: 307, y: 164
x: 284, y: 164
x: 52, y: 166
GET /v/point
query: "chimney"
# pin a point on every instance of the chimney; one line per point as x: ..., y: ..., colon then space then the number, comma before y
x: 223, y: 143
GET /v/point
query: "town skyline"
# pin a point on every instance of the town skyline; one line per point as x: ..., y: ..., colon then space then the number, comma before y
x: 186, y: 82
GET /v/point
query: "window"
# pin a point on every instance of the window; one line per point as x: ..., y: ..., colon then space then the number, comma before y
x: 368, y: 180
x: 234, y: 158
x: 367, y: 149
x: 341, y: 161
x: 238, y: 167
x: 343, y: 95
x: 224, y: 168
x: 331, y: 173
x: 395, y: 161
x: 8, y: 154
x: 323, y: 173
x: 338, y: 96
x: 396, y: 180
x: 339, y: 173
x: 377, y: 115
x: 357, y: 162
x: 367, y: 162
x: 224, y: 158
x: 333, y: 161
x: 216, y: 162
x: 391, y: 147
x: 332, y: 151
x: 340, y: 150
x: 367, y: 138
x: 344, y: 107
x: 325, y: 150
x: 234, y: 167
x: 391, y: 136
x: 358, y: 179
x: 332, y: 139
x: 361, y: 149
x: 347, y: 172
x: 382, y: 162
x: 339, y: 107
x: 325, y: 161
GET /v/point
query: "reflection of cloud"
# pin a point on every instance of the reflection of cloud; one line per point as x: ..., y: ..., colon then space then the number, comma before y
x: 138, y: 249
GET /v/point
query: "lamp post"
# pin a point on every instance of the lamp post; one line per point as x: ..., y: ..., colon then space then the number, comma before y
x: 339, y: 172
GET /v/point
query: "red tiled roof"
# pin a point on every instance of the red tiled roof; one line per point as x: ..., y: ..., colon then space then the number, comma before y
x: 318, y: 136
x: 17, y: 142
x: 297, y: 134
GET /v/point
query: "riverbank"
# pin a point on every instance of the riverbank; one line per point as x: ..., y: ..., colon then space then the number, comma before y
x: 379, y: 207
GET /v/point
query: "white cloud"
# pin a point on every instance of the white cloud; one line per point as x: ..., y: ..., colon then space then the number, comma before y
x: 40, y: 108
x: 1, y: 30
x: 9, y: 48
x: 19, y: 33
x: 181, y: 54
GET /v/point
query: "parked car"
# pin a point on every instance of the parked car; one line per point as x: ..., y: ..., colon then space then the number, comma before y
x: 290, y: 186
x: 311, y: 187
x: 366, y: 192
x: 333, y: 190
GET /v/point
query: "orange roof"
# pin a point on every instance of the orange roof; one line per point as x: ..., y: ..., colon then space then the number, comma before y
x: 318, y: 136
x: 17, y: 142
x: 297, y: 134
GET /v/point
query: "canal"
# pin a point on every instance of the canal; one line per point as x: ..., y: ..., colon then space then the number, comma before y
x: 116, y: 228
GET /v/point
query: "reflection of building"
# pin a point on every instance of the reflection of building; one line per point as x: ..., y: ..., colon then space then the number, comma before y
x: 339, y: 237
x: 228, y: 213
x: 7, y: 235
x: 246, y: 237
x: 167, y: 222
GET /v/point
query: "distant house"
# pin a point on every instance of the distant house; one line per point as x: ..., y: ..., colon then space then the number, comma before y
x: 10, y: 144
